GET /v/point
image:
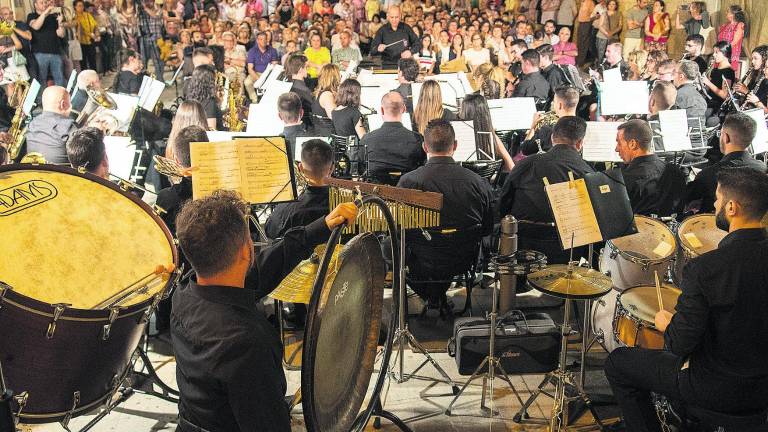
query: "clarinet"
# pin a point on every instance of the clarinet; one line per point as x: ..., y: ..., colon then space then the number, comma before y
x: 759, y: 82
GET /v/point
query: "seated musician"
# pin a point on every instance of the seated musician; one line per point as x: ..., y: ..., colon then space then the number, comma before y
x: 688, y: 96
x: 666, y: 70
x: 644, y: 171
x: 523, y: 194
x: 736, y: 135
x: 316, y: 166
x: 85, y: 149
x: 290, y: 111
x: 296, y: 68
x: 721, y: 78
x: 532, y: 83
x: 48, y: 131
x: 754, y: 85
x: 392, y: 148
x: 128, y: 80
x: 87, y: 79
x: 711, y: 359
x: 200, y: 56
x: 407, y: 74
x: 694, y: 45
x: 539, y: 136
x: 662, y: 97
x: 468, y: 202
x: 613, y: 59
x: 552, y: 72
x: 229, y: 369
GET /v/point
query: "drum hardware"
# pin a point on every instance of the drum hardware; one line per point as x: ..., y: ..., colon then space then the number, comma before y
x: 4, y: 287
x: 75, y: 402
x: 7, y: 420
x: 141, y: 286
x: 114, y: 311
x: 58, y: 310
x: 529, y: 261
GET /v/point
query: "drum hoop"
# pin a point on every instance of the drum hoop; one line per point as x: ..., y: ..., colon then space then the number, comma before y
x: 637, y: 260
x: 140, y: 308
x: 689, y: 252
x: 136, y: 200
x: 80, y: 409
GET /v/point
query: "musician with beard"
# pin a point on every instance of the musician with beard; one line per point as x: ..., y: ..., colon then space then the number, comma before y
x: 736, y: 135
x: 229, y: 369
x: 711, y: 359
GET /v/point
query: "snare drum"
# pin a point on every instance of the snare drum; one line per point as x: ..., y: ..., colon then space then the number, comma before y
x: 636, y: 307
x: 696, y: 235
x: 631, y: 260
x: 72, y: 241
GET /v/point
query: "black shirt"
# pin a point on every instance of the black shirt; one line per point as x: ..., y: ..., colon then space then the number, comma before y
x: 542, y: 138
x: 45, y: 40
x: 717, y: 76
x: 170, y: 200
x: 555, y: 77
x: 393, y: 148
x: 127, y: 82
x: 701, y: 63
x: 532, y: 85
x: 212, y: 111
x: 523, y: 195
x: 292, y: 132
x: 641, y: 177
x: 300, y: 88
x: 345, y: 120
x: 722, y: 310
x: 391, y: 55
x: 406, y: 91
x: 312, y: 204
x: 704, y: 185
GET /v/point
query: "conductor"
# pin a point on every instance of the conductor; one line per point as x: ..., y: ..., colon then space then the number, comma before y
x: 394, y: 41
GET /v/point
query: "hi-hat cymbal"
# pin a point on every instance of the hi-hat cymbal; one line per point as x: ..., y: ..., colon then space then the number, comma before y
x: 297, y: 286
x: 579, y: 283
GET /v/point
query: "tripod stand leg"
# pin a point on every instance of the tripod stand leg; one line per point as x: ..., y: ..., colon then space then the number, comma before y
x: 474, y: 376
x: 509, y: 382
x: 524, y: 408
x: 415, y: 345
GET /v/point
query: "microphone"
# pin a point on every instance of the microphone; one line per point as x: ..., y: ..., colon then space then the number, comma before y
x: 507, y: 247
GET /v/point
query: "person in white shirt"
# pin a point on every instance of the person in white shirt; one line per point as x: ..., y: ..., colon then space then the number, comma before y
x: 477, y: 54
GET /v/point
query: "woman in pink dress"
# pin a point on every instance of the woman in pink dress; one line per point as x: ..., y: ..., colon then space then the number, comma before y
x: 657, y: 27
x: 733, y: 33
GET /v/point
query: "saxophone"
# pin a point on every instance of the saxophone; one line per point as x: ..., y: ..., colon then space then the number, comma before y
x: 235, y: 100
x: 16, y: 132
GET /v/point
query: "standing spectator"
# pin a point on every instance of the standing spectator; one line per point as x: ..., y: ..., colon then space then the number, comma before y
x: 257, y: 60
x: 87, y: 34
x: 657, y: 28
x: 597, y: 15
x: 584, y: 30
x: 565, y: 50
x: 128, y: 22
x: 733, y: 33
x: 72, y: 54
x: 151, y: 29
x: 46, y: 31
x: 106, y: 31
x: 20, y: 39
x: 566, y: 15
x: 698, y: 21
x: 633, y: 38
x: 610, y: 26
x: 549, y: 9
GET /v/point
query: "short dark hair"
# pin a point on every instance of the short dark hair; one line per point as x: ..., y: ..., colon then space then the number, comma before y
x: 568, y: 95
x: 748, y: 187
x: 570, y: 129
x: 348, y: 93
x: 316, y: 157
x: 639, y: 131
x: 181, y: 143
x: 202, y: 51
x: 294, y: 63
x: 724, y: 48
x: 546, y: 50
x: 741, y: 128
x: 696, y: 38
x: 409, y: 68
x: 520, y: 43
x: 289, y: 107
x: 531, y: 56
x: 439, y: 136
x: 212, y: 230
x: 128, y: 55
x: 85, y: 148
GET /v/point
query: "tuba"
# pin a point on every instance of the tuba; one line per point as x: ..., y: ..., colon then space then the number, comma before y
x: 98, y: 100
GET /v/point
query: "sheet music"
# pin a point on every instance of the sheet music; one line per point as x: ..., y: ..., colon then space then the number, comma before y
x: 300, y: 144
x: 273, y: 93
x: 624, y: 97
x: 217, y: 166
x: 121, y: 153
x: 370, y: 97
x: 264, y: 75
x: 349, y: 71
x: 574, y: 216
x: 466, y: 145
x: 512, y: 113
x: 263, y: 120
x: 71, y: 82
x: 760, y: 142
x: 214, y: 136
x: 612, y: 75
x: 600, y: 142
x: 144, y: 83
x: 126, y: 109
x: 674, y: 130
x: 465, y: 84
x: 376, y: 120
x: 364, y: 76
x: 29, y: 101
x: 388, y: 81
x: 151, y: 94
x: 265, y: 170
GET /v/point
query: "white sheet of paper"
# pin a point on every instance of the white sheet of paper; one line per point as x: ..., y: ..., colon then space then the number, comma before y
x: 612, y: 75
x: 263, y: 120
x: 273, y: 93
x: 29, y: 102
x: 264, y: 75
x: 376, y: 120
x: 600, y: 142
x: 71, y: 82
x: 760, y: 143
x: 121, y: 153
x: 450, y: 87
x: 370, y: 98
x: 300, y: 144
x: 126, y: 107
x: 674, y: 130
x: 466, y: 148
x: 220, y: 136
x: 465, y: 84
x: 151, y: 94
x: 512, y: 113
x: 574, y: 215
x: 624, y: 97
x: 144, y: 83
x: 364, y: 76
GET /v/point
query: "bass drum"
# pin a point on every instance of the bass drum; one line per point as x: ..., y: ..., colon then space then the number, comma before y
x: 632, y: 260
x: 72, y: 244
x: 697, y: 235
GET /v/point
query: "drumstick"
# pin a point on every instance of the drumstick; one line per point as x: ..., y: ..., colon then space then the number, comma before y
x: 658, y: 290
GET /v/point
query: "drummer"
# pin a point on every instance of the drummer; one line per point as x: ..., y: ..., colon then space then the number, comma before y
x: 712, y: 359
x: 85, y: 149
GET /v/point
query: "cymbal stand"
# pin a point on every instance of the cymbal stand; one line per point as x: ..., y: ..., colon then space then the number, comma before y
x: 561, y: 379
x: 490, y: 360
x: 404, y: 336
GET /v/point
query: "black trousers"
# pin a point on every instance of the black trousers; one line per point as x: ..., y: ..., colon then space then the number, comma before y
x: 636, y: 372
x: 89, y: 56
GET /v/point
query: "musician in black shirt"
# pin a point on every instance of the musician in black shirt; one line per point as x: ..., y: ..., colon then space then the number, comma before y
x: 755, y: 84
x: 711, y: 359
x: 296, y: 68
x: 128, y: 80
x: 407, y: 73
x: 694, y: 44
x: 532, y: 83
x: 395, y: 40
x: 539, y: 136
x: 290, y: 111
x: 736, y: 135
x: 721, y: 78
x: 552, y: 72
x: 229, y: 369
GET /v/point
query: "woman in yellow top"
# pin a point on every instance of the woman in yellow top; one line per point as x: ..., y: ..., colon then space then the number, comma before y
x: 86, y: 30
x: 317, y: 55
x: 372, y: 7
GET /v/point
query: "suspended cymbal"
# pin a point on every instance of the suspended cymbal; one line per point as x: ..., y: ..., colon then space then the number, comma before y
x: 580, y: 283
x: 297, y: 286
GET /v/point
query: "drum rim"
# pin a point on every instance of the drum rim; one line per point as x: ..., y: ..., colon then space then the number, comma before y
x: 646, y: 261
x: 637, y: 319
x: 689, y: 251
x: 41, y: 306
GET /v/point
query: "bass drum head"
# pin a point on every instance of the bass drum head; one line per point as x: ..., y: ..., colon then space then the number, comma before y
x: 69, y: 239
x: 340, y: 341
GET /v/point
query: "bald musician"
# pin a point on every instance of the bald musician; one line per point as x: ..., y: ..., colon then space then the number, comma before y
x: 229, y: 359
x: 394, y: 40
x: 48, y: 132
x: 85, y: 149
x: 711, y: 359
x: 87, y: 79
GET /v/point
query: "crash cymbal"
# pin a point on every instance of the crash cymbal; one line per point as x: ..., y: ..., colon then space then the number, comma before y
x: 578, y: 283
x: 297, y: 286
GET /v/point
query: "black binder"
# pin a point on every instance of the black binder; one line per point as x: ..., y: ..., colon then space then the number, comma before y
x: 610, y: 202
